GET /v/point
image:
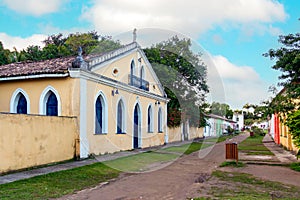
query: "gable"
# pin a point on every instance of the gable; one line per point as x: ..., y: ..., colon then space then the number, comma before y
x: 131, y: 68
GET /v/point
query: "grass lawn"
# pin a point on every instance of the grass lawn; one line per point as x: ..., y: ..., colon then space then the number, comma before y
x: 139, y: 162
x: 219, y: 139
x: 254, y: 146
x: 57, y: 184
x: 245, y: 186
x: 295, y: 166
x: 196, y: 146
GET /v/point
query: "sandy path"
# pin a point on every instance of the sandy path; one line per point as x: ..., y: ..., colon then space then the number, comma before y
x: 176, y: 181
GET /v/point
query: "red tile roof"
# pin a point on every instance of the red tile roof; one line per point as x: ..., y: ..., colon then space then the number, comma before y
x: 52, y: 66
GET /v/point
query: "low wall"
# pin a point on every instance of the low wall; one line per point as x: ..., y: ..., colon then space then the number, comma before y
x: 196, y: 132
x: 32, y: 140
x: 175, y: 134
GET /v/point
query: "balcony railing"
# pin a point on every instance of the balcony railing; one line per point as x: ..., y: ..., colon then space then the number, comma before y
x: 138, y: 82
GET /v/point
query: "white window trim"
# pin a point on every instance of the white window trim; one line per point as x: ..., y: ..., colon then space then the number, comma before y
x: 142, y: 71
x: 151, y: 118
x: 15, y: 98
x: 45, y: 94
x: 140, y: 134
x: 104, y: 116
x: 124, y: 113
x: 160, y: 128
x: 134, y: 67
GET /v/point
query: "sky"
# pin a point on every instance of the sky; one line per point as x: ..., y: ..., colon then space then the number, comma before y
x: 234, y: 33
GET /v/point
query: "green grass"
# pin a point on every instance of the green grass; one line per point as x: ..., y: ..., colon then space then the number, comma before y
x: 188, y: 148
x: 254, y: 146
x: 295, y: 166
x: 219, y: 139
x: 57, y: 184
x: 139, y: 162
x: 232, y: 163
x: 196, y: 146
x: 234, y: 185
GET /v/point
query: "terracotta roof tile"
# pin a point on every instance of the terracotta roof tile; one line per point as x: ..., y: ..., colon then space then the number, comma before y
x: 52, y: 66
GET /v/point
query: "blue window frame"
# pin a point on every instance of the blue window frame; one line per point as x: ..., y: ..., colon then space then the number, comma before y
x: 22, y: 105
x: 51, y: 105
x: 150, y: 120
x: 120, y: 118
x: 159, y: 121
x: 99, y: 116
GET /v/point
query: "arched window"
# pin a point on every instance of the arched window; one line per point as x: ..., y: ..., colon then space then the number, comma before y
x: 22, y: 104
x: 142, y: 72
x: 100, y: 115
x: 19, y: 102
x: 159, y: 123
x: 150, y: 119
x: 51, y: 105
x: 120, y: 117
x: 132, y: 69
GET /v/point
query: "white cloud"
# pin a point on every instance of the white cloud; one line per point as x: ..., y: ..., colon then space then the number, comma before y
x: 233, y: 72
x: 9, y: 42
x: 235, y: 85
x: 34, y: 7
x: 189, y: 17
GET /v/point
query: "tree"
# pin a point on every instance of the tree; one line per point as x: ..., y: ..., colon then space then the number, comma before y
x: 221, y: 109
x: 3, y: 55
x: 288, y: 62
x: 293, y: 122
x: 183, y: 73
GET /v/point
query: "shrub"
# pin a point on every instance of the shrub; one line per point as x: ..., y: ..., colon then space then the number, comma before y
x: 257, y: 131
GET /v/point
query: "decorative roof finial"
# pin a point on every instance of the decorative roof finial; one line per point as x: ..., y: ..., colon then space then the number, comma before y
x: 79, y: 61
x: 79, y: 51
x: 134, y: 35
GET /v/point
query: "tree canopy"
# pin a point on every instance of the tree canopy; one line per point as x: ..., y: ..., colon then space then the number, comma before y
x: 221, y: 109
x: 288, y: 62
x: 183, y: 74
x: 57, y: 46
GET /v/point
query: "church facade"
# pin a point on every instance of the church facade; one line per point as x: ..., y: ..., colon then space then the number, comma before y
x: 115, y: 98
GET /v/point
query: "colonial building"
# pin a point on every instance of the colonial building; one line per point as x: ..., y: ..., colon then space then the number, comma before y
x: 116, y: 99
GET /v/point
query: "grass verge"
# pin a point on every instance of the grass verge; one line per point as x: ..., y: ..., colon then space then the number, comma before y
x: 254, y: 146
x: 57, y: 184
x: 196, y: 146
x: 232, y: 185
x: 139, y: 162
x: 295, y: 166
x: 232, y: 163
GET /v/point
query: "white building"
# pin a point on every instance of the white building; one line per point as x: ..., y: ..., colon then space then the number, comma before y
x: 239, y: 119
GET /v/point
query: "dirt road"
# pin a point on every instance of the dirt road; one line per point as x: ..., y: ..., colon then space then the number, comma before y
x: 176, y: 181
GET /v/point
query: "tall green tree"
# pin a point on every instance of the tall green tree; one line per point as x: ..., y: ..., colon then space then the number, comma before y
x: 288, y: 61
x: 182, y: 72
x: 3, y: 55
x: 221, y: 109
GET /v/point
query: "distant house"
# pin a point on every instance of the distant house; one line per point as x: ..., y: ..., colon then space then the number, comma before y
x: 279, y: 131
x: 115, y: 101
x: 239, y: 119
x: 217, y: 125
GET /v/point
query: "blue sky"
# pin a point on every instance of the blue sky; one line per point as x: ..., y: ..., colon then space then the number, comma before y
x: 234, y: 32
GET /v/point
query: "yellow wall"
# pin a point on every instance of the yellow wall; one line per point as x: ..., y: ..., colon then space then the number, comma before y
x: 112, y: 142
x: 175, y: 134
x: 29, y: 140
x: 196, y: 132
x: 123, y: 67
x: 285, y: 137
x: 66, y: 87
